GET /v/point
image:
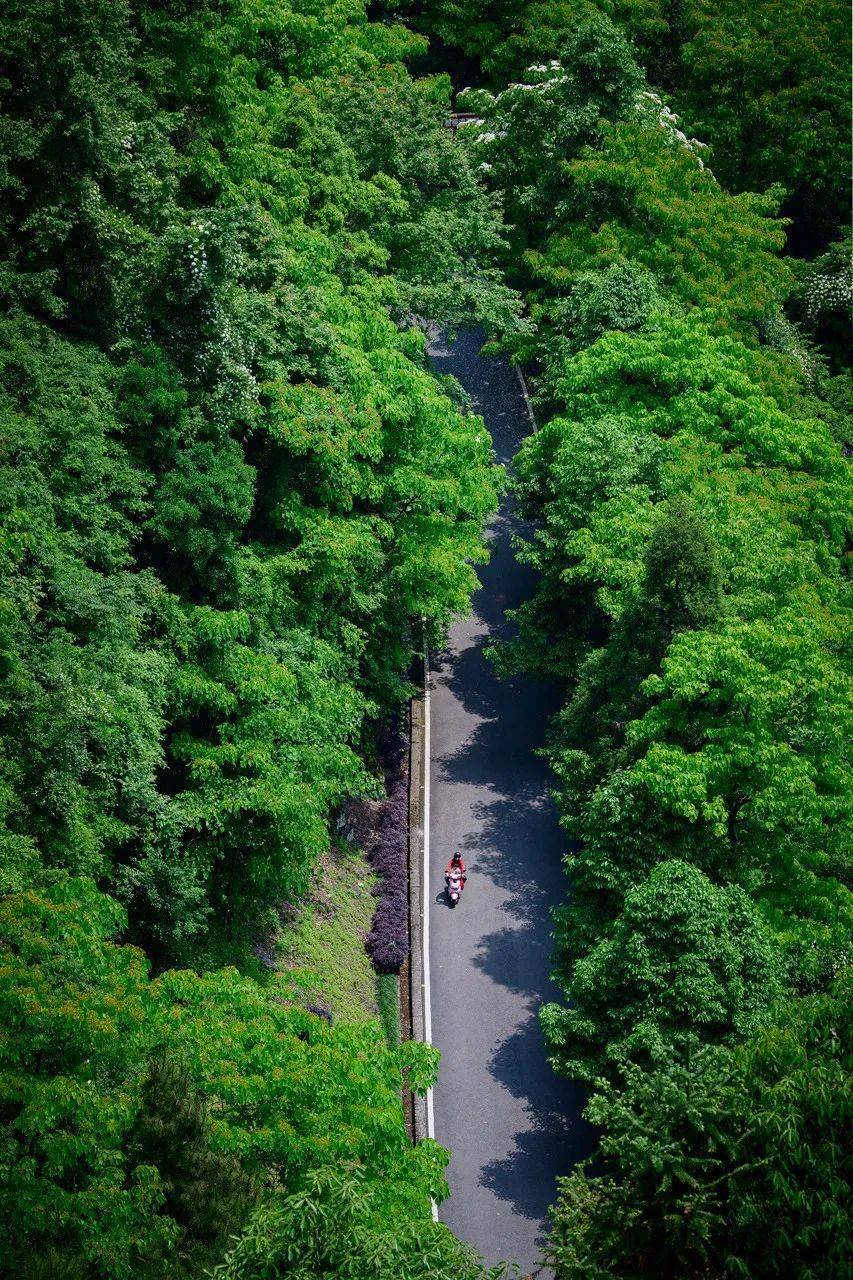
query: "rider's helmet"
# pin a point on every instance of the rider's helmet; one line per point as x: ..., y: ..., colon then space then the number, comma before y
x: 456, y: 859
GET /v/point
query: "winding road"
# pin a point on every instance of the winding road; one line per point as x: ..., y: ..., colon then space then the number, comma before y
x: 511, y: 1124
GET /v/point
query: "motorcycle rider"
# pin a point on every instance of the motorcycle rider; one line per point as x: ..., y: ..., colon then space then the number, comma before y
x: 456, y: 866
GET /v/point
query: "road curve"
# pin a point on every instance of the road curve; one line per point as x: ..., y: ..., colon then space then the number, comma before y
x: 512, y: 1125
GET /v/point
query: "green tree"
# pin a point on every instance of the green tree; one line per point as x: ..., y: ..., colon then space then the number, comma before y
x: 88, y: 173
x: 76, y: 1025
x: 83, y: 693
x: 204, y: 1191
x: 595, y: 172
x: 645, y: 196
x: 728, y: 753
x: 623, y: 296
x: 823, y: 301
x: 262, y: 486
x: 233, y: 495
x: 333, y: 1229
x: 683, y: 956
x: 113, y: 1168
x: 773, y: 104
x: 288, y: 1093
x: 554, y: 113
x: 683, y: 582
x: 723, y: 1162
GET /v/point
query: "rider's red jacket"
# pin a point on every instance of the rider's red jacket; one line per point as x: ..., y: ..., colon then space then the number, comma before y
x: 461, y: 868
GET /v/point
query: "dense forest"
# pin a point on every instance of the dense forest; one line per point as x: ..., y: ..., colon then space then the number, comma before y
x: 229, y: 483
x: 689, y: 494
x: 234, y: 498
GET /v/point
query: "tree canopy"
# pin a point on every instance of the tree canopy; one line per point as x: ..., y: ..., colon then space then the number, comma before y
x: 723, y: 1161
x: 688, y: 505
x: 766, y: 86
x: 283, y: 1102
x: 233, y: 498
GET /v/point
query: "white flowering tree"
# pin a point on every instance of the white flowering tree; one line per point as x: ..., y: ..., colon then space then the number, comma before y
x: 525, y: 133
x: 596, y: 172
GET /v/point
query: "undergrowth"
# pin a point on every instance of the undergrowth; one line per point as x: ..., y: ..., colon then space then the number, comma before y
x: 323, y: 948
x: 388, y: 997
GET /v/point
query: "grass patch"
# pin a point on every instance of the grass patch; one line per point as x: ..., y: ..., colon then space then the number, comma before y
x: 323, y: 951
x: 388, y: 997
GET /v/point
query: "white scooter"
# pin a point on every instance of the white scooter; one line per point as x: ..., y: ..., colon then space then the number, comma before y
x: 453, y: 887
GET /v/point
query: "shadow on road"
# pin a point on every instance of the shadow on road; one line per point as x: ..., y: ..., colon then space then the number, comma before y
x: 443, y: 900
x: 551, y: 1140
x: 515, y: 1125
x: 511, y: 843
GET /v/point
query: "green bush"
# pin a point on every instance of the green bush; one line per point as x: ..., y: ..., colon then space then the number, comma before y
x: 388, y: 997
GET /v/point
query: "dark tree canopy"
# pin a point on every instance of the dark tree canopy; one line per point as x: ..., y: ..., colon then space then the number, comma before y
x: 234, y: 501
x: 233, y: 496
x: 683, y: 583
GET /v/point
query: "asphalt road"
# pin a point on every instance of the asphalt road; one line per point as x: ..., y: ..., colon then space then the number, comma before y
x: 512, y: 1125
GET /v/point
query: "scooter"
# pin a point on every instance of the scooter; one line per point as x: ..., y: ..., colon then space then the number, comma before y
x: 453, y: 887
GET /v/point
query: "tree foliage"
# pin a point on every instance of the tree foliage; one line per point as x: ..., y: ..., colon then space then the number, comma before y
x: 683, y: 579
x: 239, y: 481
x: 76, y: 1026
x: 596, y: 175
x: 722, y: 1162
x: 767, y: 86
x: 334, y: 1229
x: 709, y: 703
x: 128, y: 1169
x: 205, y: 1191
x: 233, y: 496
x: 684, y: 956
x: 688, y: 505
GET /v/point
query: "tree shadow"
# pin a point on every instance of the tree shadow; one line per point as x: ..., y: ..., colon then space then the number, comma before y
x: 556, y: 1137
x: 511, y: 840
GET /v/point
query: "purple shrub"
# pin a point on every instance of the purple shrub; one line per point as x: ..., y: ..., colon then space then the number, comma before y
x: 388, y: 941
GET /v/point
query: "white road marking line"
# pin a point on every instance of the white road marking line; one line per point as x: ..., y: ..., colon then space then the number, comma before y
x: 426, y: 896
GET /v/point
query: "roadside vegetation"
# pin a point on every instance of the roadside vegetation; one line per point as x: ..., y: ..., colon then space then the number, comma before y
x: 689, y: 497
x: 320, y: 945
x: 229, y: 482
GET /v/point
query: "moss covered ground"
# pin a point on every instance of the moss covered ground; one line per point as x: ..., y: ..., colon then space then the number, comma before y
x: 323, y: 949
